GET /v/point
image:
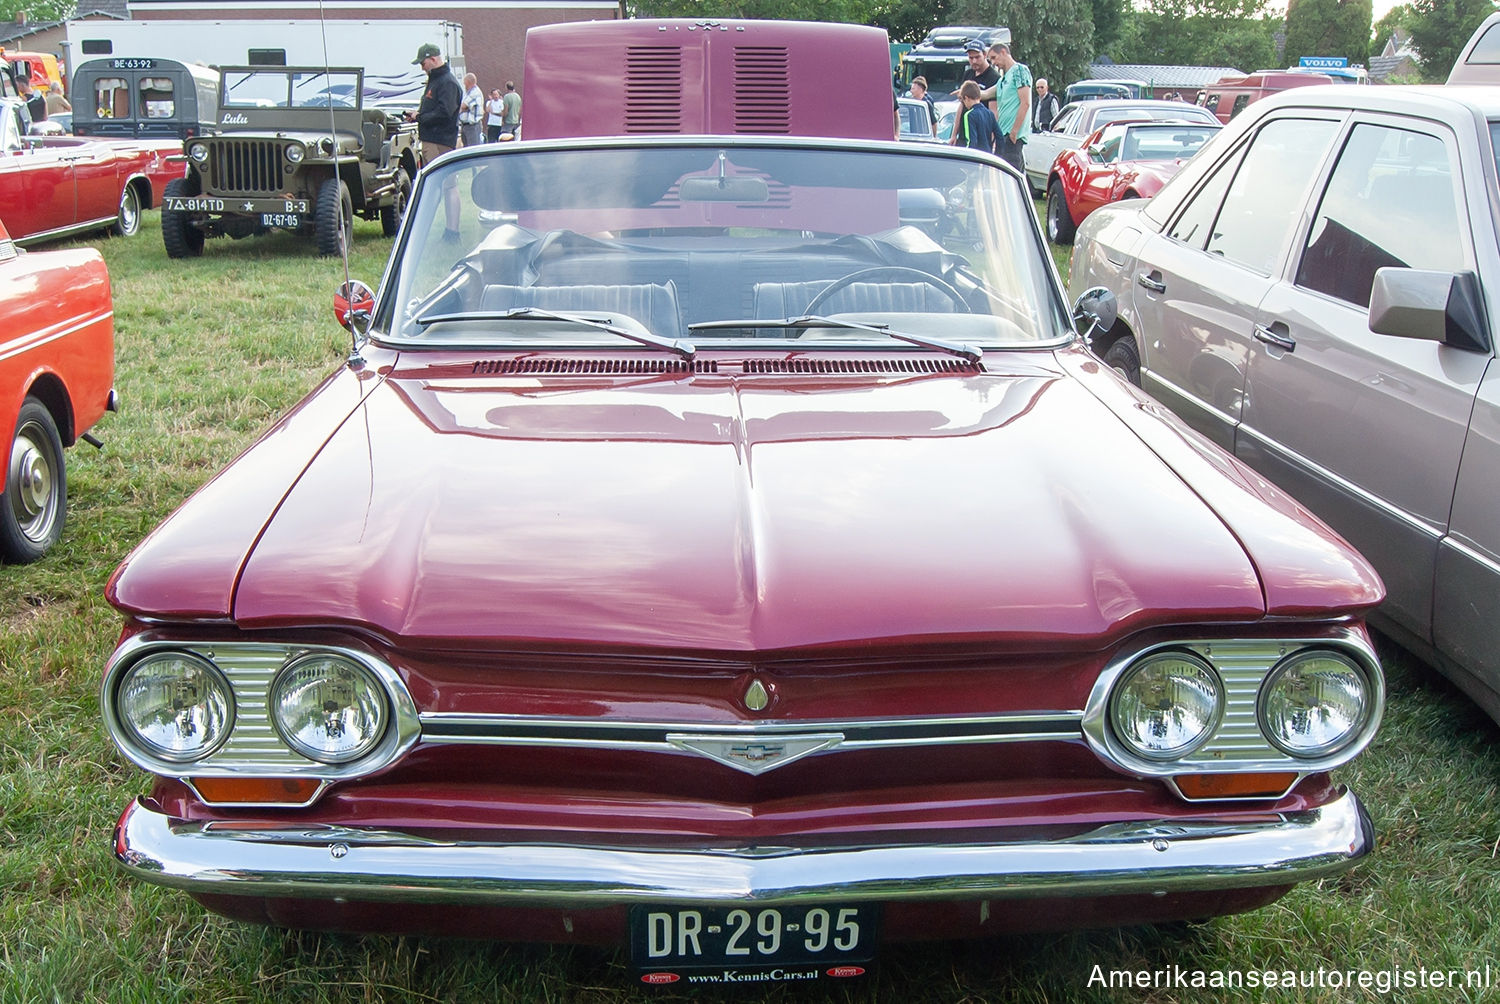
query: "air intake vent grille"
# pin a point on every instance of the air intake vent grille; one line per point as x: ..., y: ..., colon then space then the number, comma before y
x: 246, y: 167
x: 653, y: 89
x: 588, y: 367
x: 762, y: 98
x: 861, y: 366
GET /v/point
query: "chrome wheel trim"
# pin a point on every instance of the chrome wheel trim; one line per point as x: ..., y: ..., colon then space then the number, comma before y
x: 33, y: 481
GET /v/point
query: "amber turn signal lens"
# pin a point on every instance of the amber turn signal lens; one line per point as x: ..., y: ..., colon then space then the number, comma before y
x: 256, y: 790
x: 1269, y: 785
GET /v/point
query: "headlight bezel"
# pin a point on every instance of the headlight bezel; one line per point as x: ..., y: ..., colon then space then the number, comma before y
x: 295, y: 153
x: 198, y: 153
x: 1238, y: 745
x: 129, y: 728
x: 1140, y: 667
x: 253, y: 749
x: 297, y: 745
x: 1280, y: 671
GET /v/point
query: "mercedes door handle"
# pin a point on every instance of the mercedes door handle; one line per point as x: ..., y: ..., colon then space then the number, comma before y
x: 1276, y: 335
x: 1152, y: 282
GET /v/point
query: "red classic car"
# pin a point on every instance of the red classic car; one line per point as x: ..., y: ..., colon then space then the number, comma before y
x: 54, y: 186
x: 1123, y: 160
x: 57, y: 364
x: 698, y: 555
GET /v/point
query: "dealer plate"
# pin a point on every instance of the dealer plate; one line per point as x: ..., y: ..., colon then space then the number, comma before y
x: 752, y: 943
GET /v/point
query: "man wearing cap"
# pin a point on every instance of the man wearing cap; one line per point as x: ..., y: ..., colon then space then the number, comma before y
x: 437, y: 121
x: 980, y: 71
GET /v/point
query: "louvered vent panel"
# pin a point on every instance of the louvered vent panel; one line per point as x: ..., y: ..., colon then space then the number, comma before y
x: 861, y: 366
x: 762, y: 92
x: 653, y: 89
x: 593, y: 367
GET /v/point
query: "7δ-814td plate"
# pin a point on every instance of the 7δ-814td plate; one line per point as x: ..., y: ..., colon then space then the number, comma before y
x: 751, y: 937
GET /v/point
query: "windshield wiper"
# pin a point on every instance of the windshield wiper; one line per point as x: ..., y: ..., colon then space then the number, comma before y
x: 973, y: 353
x: 684, y: 349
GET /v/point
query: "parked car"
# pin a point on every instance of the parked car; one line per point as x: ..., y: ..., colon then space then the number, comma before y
x: 296, y: 151
x: 145, y: 96
x: 1123, y: 160
x: 1231, y: 95
x: 57, y: 367
x: 1078, y: 121
x: 915, y: 120
x: 700, y: 557
x: 1317, y: 293
x: 1479, y: 63
x: 57, y: 186
x: 1094, y: 90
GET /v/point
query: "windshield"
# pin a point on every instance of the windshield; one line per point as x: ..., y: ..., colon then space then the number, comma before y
x: 278, y: 88
x: 672, y: 240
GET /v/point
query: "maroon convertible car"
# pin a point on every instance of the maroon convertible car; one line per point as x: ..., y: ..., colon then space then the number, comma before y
x: 724, y: 548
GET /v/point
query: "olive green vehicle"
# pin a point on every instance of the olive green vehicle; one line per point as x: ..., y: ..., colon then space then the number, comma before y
x: 297, y: 150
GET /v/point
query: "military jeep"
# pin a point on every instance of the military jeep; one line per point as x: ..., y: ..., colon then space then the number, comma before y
x: 297, y: 150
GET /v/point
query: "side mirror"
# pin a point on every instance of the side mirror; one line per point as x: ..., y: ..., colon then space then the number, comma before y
x: 1434, y: 306
x: 354, y: 306
x: 1096, y: 310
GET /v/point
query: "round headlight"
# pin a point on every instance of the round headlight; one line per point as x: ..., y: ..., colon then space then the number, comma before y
x: 329, y: 708
x: 198, y: 152
x: 176, y: 706
x: 295, y: 153
x: 1167, y: 705
x: 1314, y: 703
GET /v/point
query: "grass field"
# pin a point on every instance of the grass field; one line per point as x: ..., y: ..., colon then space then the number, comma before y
x: 209, y: 353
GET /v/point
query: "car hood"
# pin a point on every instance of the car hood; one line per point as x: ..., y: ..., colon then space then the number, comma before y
x: 743, y: 513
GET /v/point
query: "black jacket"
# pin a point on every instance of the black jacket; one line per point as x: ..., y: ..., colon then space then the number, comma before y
x: 437, y: 116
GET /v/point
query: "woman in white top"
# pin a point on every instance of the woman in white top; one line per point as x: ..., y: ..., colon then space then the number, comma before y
x: 495, y: 107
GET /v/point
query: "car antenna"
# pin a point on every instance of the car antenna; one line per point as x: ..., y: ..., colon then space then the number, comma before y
x: 355, y: 360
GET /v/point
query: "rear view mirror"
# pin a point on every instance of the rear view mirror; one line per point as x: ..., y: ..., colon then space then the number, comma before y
x: 1096, y: 310
x: 722, y: 189
x: 1434, y: 306
x: 354, y: 306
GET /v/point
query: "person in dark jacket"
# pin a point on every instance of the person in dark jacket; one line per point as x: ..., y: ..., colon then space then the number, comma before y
x: 976, y: 127
x: 437, y: 123
x: 1047, y: 107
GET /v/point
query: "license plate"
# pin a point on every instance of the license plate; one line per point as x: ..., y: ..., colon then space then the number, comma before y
x: 289, y: 220
x: 751, y: 944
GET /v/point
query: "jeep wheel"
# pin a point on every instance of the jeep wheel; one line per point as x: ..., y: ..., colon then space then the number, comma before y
x: 390, y: 216
x: 128, y: 216
x: 334, y: 223
x: 183, y: 240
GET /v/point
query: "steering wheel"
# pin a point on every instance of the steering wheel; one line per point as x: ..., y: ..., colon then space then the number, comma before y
x: 901, y: 270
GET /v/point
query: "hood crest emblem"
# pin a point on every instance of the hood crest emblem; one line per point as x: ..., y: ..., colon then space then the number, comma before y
x: 756, y: 755
x: 756, y: 698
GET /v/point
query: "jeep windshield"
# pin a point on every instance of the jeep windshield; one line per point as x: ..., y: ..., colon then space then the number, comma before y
x: 278, y: 87
x: 707, y: 242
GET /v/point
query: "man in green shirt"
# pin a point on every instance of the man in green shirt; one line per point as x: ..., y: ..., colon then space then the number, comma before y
x: 1012, y: 94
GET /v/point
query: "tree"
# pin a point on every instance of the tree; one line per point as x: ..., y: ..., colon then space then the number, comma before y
x: 1440, y: 29
x: 1054, y: 38
x: 38, y: 11
x: 1110, y: 19
x: 1200, y: 33
x: 1400, y: 16
x: 1328, y: 28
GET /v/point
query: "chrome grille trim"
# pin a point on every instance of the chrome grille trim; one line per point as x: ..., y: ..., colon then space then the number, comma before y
x: 1237, y: 744
x: 246, y: 167
x: 253, y: 748
x: 448, y: 728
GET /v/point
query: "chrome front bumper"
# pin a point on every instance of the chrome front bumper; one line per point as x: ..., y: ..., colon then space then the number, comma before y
x: 334, y: 862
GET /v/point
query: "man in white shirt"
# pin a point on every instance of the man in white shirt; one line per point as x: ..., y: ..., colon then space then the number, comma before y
x: 471, y: 112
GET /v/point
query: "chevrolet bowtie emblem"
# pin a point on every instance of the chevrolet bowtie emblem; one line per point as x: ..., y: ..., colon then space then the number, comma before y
x: 756, y: 756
